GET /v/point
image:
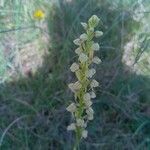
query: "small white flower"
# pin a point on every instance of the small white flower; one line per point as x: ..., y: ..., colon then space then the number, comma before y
x: 98, y: 33
x: 87, y: 96
x: 84, y: 25
x: 84, y: 133
x: 78, y: 51
x: 88, y: 103
x: 94, y: 83
x: 95, y: 46
x: 77, y: 41
x: 96, y: 60
x: 93, y: 95
x: 72, y: 126
x: 74, y: 67
x: 75, y: 86
x: 71, y: 108
x: 90, y: 73
x: 90, y: 117
x: 89, y: 111
x: 80, y: 123
x: 83, y: 37
x: 83, y: 57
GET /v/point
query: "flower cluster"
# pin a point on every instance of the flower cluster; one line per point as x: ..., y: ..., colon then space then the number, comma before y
x: 83, y: 89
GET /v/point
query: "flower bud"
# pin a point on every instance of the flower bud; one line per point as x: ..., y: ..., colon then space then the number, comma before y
x: 98, y: 33
x: 93, y: 21
x: 95, y: 46
x: 74, y: 67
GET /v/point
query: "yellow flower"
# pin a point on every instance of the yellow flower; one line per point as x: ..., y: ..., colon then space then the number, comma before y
x: 39, y: 14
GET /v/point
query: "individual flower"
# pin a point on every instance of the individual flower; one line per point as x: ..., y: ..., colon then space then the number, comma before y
x: 39, y: 14
x: 84, y: 25
x: 93, y: 21
x: 80, y: 123
x: 78, y: 51
x: 92, y: 94
x: 90, y: 73
x: 77, y: 41
x: 75, y: 86
x: 94, y: 83
x: 95, y: 46
x: 72, y: 126
x: 96, y: 60
x: 72, y: 108
x: 90, y: 112
x: 84, y: 133
x: 83, y: 57
x: 87, y: 96
x: 74, y: 67
x: 98, y: 33
x: 83, y: 37
x: 88, y: 103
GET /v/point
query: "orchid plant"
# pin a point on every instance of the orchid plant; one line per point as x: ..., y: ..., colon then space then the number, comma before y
x: 83, y: 88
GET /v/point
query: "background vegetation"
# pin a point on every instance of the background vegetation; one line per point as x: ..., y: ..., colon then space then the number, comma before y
x: 34, y: 72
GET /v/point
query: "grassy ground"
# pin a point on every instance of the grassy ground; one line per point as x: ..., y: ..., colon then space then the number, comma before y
x: 34, y: 62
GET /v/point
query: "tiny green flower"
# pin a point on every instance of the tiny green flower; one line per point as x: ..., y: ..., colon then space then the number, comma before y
x: 93, y: 21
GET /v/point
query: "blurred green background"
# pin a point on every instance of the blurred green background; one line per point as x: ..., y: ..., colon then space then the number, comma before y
x: 35, y: 57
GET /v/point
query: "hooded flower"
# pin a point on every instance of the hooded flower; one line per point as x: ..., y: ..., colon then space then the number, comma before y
x: 74, y: 67
x: 83, y: 57
x: 71, y: 108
